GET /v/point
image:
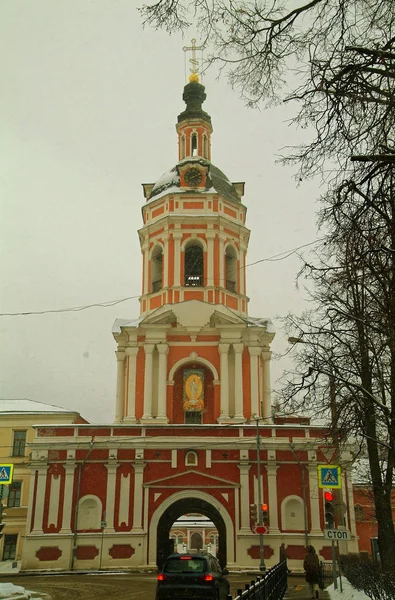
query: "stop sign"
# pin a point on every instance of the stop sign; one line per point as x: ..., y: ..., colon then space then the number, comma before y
x: 262, y: 529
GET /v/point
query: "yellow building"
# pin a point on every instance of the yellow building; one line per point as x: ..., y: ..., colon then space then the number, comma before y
x: 17, y: 418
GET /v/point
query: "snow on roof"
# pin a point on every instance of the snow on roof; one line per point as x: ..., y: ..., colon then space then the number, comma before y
x: 24, y: 405
x: 118, y: 323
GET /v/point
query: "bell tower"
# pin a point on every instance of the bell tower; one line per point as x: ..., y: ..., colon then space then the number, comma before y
x: 194, y: 356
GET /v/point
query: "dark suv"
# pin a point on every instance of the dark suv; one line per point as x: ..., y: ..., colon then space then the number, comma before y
x: 197, y: 576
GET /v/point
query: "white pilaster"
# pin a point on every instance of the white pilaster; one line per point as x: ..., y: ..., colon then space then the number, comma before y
x: 267, y: 405
x: 165, y: 265
x: 223, y: 350
x: 146, y: 282
x: 120, y: 397
x: 68, y: 497
x: 131, y: 353
x: 40, y: 497
x: 254, y: 379
x: 148, y: 348
x: 272, y: 497
x: 244, y: 496
x: 210, y: 236
x: 138, y: 497
x: 238, y: 350
x: 177, y: 257
x: 163, y: 350
x: 110, y: 498
x: 221, y: 262
x: 54, y: 499
x: 314, y: 501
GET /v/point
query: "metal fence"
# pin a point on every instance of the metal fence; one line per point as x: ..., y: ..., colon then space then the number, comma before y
x: 326, y: 574
x: 270, y: 586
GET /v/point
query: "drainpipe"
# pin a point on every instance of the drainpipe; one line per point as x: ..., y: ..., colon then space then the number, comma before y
x: 303, y: 468
x: 81, y: 465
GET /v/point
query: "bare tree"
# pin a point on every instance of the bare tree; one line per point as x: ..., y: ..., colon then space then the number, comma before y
x: 335, y: 61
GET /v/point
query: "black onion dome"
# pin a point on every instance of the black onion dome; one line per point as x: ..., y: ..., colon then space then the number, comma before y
x: 194, y: 96
x: 215, y: 179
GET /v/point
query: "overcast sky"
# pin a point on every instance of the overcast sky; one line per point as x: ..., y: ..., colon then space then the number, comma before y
x: 89, y: 106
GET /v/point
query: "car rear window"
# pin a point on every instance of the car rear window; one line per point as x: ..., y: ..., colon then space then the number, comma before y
x: 190, y: 565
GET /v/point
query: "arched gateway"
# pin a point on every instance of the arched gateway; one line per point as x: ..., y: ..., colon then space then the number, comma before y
x: 190, y: 502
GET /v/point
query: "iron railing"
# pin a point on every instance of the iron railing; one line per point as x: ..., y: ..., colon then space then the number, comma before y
x: 270, y: 586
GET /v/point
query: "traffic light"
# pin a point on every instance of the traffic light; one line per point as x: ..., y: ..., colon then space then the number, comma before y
x: 329, y: 509
x: 254, y: 512
x: 265, y: 513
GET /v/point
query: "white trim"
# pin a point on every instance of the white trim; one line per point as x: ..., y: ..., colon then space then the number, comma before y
x: 194, y: 238
x: 188, y: 359
x: 153, y: 527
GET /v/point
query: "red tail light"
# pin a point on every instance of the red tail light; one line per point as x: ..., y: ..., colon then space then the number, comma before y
x: 207, y: 578
x: 162, y: 577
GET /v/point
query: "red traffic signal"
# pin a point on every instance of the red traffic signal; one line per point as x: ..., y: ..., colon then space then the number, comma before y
x: 265, y: 513
x: 328, y: 496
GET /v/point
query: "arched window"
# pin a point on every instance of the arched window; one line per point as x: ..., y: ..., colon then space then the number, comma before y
x: 156, y: 269
x: 194, y: 144
x: 194, y: 265
x: 89, y: 513
x: 205, y: 146
x: 359, y: 513
x: 182, y: 149
x: 191, y: 459
x: 231, y: 269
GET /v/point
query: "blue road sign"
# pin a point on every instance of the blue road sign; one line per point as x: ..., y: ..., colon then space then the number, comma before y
x: 329, y: 476
x: 6, y: 472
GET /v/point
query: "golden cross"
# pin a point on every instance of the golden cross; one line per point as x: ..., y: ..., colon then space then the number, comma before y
x: 193, y: 60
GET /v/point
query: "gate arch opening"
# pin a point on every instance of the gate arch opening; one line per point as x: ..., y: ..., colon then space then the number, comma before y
x: 181, y: 507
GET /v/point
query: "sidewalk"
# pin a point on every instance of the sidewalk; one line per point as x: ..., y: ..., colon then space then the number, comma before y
x: 298, y: 588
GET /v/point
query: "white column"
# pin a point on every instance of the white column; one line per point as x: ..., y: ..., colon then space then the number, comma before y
x: 314, y: 500
x: 40, y: 497
x: 163, y: 350
x: 165, y: 265
x: 210, y: 235
x: 131, y: 353
x: 138, y: 497
x: 120, y: 398
x: 68, y: 497
x: 148, y: 374
x: 267, y: 405
x: 110, y: 498
x: 272, y: 497
x: 146, y: 282
x: 221, y: 262
x: 29, y: 527
x: 238, y: 350
x: 254, y: 379
x: 223, y: 350
x: 177, y: 257
x: 244, y: 496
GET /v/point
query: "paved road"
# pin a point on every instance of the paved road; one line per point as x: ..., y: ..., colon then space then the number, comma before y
x: 134, y: 586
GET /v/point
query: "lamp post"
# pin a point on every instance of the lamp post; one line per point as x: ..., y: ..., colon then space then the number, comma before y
x: 258, y: 466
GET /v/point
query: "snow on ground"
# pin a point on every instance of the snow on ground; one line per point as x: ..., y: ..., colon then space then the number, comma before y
x: 349, y: 593
x: 9, y: 591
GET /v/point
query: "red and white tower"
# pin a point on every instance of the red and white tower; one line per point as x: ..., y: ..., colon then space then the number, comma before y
x: 194, y: 307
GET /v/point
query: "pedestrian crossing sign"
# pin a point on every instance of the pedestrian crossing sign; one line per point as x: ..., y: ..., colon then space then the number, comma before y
x: 329, y: 476
x: 6, y: 474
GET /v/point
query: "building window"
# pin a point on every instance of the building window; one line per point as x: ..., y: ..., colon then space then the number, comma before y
x: 191, y: 459
x: 14, y: 494
x: 231, y: 268
x: 156, y: 269
x: 193, y: 417
x: 205, y: 146
x: 194, y: 266
x: 194, y: 145
x: 359, y: 513
x: 182, y: 153
x: 19, y: 444
x: 10, y: 542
